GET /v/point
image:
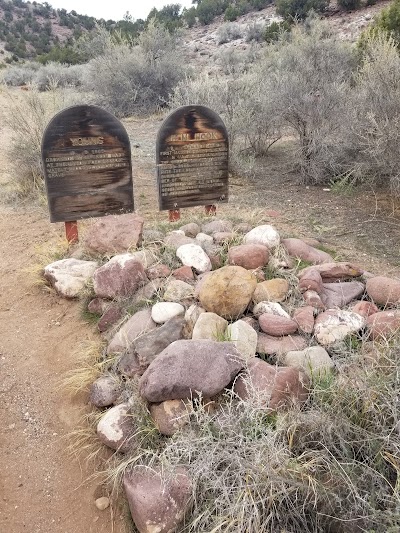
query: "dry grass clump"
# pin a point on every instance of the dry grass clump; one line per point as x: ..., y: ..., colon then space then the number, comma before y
x: 332, y: 466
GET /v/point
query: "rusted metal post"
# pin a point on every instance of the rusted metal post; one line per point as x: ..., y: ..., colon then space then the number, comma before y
x: 211, y: 210
x: 71, y: 231
x: 174, y: 215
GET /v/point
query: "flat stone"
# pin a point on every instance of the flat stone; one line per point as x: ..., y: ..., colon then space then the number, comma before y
x: 304, y: 316
x: 70, y: 276
x: 170, y: 416
x: 120, y: 277
x: 334, y: 271
x: 269, y: 345
x: 273, y: 308
x: 265, y: 235
x: 270, y: 387
x: 148, y: 346
x: 248, y: 256
x: 277, y: 326
x: 158, y: 502
x: 114, y: 234
x: 209, y: 326
x: 335, y: 325
x: 383, y: 290
x: 383, y: 325
x: 244, y: 337
x: 272, y: 290
x: 105, y: 391
x: 178, y: 291
x: 139, y: 323
x: 243, y: 228
x: 313, y: 361
x: 227, y: 291
x: 115, y: 429
x: 301, y: 250
x: 161, y: 312
x: 216, y: 226
x: 341, y: 293
x: 187, y: 368
x: 194, y: 256
x: 183, y: 273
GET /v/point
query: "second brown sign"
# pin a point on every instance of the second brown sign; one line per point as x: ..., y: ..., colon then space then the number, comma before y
x: 192, y: 159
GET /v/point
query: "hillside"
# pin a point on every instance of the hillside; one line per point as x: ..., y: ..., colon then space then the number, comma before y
x: 29, y: 29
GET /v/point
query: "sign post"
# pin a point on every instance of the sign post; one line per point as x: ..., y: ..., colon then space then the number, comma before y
x: 192, y: 160
x: 86, y: 160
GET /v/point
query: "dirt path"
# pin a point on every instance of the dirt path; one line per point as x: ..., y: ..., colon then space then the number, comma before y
x: 42, y: 489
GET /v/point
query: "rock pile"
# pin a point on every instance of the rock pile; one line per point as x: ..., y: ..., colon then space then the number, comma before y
x: 215, y: 322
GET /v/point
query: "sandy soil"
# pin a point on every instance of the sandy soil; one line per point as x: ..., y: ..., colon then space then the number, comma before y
x: 42, y: 490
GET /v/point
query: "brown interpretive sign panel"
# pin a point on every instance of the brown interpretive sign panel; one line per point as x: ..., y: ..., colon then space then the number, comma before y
x: 86, y: 160
x: 192, y: 159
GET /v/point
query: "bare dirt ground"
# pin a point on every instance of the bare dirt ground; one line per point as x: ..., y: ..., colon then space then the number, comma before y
x: 42, y: 490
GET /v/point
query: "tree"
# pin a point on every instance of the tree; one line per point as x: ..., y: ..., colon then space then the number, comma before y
x: 299, y: 9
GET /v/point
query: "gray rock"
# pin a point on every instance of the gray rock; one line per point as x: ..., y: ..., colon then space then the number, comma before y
x: 191, y: 229
x: 314, y: 361
x: 105, y: 391
x: 244, y: 337
x: 187, y: 368
x: 216, y: 226
x: 161, y: 312
x: 148, y: 346
x: 178, y: 291
x: 209, y: 326
x: 139, y: 323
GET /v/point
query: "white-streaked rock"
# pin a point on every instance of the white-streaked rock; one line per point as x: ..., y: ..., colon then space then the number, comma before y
x: 194, y: 256
x: 69, y: 276
x: 272, y: 308
x: 266, y: 235
x: 334, y: 325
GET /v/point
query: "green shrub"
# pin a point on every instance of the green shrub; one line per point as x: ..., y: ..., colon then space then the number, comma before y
x: 349, y: 5
x: 231, y: 13
x: 274, y: 31
x: 299, y: 9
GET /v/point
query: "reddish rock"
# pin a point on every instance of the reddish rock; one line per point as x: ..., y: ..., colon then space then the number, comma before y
x: 157, y: 502
x: 334, y: 271
x: 187, y: 367
x: 312, y: 242
x: 271, y: 387
x: 115, y: 234
x: 298, y: 248
x: 158, y: 271
x: 364, y: 308
x: 118, y: 278
x: 214, y: 253
x: 311, y: 281
x: 313, y: 299
x: 278, y: 326
x: 384, y: 291
x: 98, y: 306
x: 269, y: 345
x: 341, y: 293
x: 304, y: 317
x: 129, y: 366
x: 170, y: 416
x: 109, y: 318
x: 191, y: 229
x: 243, y: 228
x: 384, y: 324
x: 184, y: 273
x: 248, y: 256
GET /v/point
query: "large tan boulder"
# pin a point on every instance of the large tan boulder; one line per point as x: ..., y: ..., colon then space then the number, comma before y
x: 227, y: 291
